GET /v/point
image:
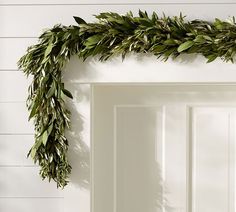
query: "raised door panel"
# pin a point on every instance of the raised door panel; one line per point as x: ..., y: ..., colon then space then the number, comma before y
x: 138, y: 158
x: 213, y: 162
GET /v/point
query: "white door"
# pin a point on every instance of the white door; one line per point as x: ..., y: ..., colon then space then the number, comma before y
x: 159, y: 148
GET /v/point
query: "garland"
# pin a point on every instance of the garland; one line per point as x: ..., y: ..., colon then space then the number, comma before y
x: 112, y: 34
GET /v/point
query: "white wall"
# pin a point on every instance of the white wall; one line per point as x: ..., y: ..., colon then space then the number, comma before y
x: 21, y: 23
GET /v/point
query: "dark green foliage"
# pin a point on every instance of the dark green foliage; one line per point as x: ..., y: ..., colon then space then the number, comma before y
x: 112, y: 34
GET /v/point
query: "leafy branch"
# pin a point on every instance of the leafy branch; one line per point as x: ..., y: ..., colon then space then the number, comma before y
x: 112, y: 34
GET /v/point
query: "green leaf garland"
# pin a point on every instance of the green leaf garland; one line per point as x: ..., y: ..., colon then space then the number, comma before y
x: 112, y: 34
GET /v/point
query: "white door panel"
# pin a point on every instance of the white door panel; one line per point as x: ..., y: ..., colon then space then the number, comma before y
x: 213, y: 141
x: 133, y: 166
x: 163, y: 148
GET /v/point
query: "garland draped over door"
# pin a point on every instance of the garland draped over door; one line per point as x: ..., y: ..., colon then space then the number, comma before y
x: 112, y: 34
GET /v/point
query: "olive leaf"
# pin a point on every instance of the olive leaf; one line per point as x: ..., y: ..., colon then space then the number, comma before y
x: 52, y: 90
x: 211, y: 57
x: 34, y: 107
x: 67, y: 93
x: 184, y: 46
x: 45, y: 138
x: 79, y: 20
x: 48, y: 50
x: 91, y: 41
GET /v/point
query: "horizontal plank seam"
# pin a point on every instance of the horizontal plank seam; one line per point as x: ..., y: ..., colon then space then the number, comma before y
x: 19, y: 166
x: 107, y: 4
x: 24, y: 197
x: 146, y: 83
x: 12, y: 102
x: 9, y: 70
x: 20, y: 102
x: 18, y: 37
x: 16, y: 134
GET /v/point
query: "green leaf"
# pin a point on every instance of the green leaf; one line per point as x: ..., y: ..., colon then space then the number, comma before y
x: 45, y: 60
x: 44, y: 80
x: 200, y: 39
x: 44, y: 137
x: 145, y: 22
x: 35, y: 148
x: 207, y: 37
x: 50, y: 158
x: 29, y: 153
x: 143, y: 14
x: 79, y: 20
x: 184, y: 46
x: 33, y: 153
x: 58, y: 151
x: 67, y: 93
x: 48, y: 50
x: 159, y: 48
x: 168, y: 53
x: 50, y: 128
x: 51, y: 91
x: 211, y: 58
x: 93, y: 40
x: 98, y: 49
x: 219, y: 24
x: 34, y: 109
x: 170, y: 42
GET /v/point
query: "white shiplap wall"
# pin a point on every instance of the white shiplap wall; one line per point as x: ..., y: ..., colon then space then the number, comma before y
x: 21, y: 22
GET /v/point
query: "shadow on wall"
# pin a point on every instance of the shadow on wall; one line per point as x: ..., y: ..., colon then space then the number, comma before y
x: 79, y: 151
x: 115, y: 69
